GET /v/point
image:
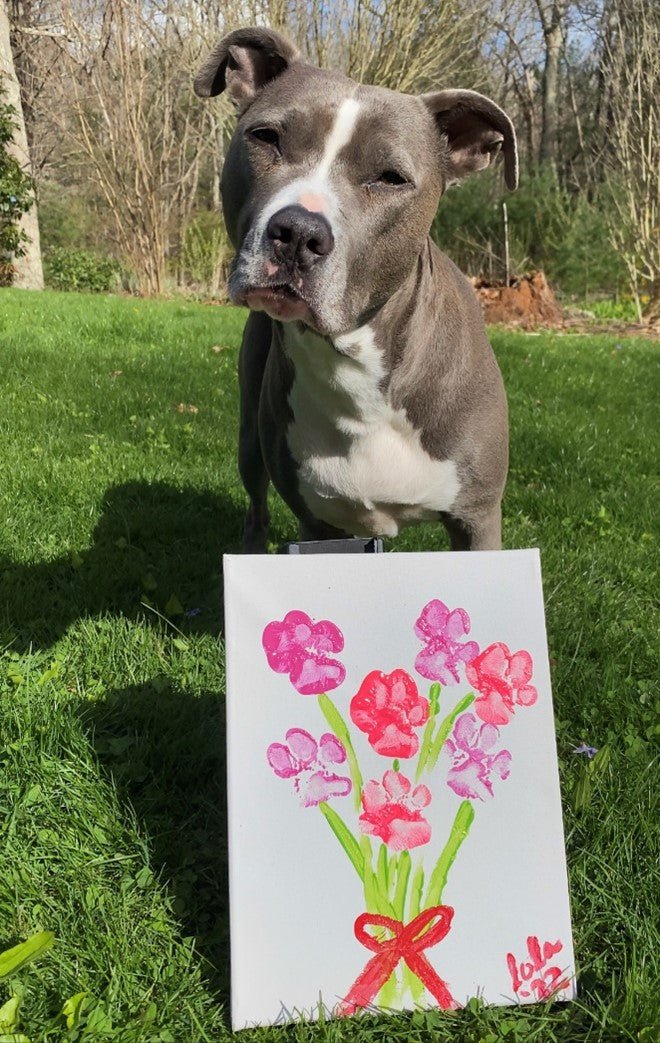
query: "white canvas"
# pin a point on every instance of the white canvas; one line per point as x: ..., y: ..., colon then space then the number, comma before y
x: 488, y: 798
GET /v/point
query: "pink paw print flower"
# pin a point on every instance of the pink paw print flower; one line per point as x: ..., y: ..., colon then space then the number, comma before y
x: 501, y: 678
x: 388, y: 708
x: 473, y: 763
x: 299, y: 647
x: 309, y: 763
x: 442, y: 632
x: 392, y: 810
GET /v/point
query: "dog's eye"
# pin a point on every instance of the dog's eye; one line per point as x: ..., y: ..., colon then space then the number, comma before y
x: 391, y: 178
x: 266, y: 135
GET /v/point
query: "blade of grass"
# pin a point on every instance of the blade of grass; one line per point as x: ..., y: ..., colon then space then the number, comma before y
x: 11, y: 960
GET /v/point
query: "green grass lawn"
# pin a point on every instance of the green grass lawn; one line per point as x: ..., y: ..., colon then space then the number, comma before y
x: 118, y: 495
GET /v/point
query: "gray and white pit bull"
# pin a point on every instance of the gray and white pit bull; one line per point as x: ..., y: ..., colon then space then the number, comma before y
x: 370, y: 395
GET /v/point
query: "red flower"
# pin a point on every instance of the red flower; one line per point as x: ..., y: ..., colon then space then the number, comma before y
x: 388, y: 707
x: 500, y: 677
x: 393, y: 813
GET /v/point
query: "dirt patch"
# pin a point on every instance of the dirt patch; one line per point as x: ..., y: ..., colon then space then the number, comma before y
x: 527, y: 302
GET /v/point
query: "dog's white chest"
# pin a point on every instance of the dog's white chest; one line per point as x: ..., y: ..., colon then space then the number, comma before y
x: 361, y: 465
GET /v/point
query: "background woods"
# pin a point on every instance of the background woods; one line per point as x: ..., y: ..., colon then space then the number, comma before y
x: 126, y: 161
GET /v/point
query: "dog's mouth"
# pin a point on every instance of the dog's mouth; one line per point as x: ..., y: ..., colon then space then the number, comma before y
x: 279, y: 300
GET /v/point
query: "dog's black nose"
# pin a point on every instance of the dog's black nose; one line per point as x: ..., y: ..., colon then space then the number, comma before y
x: 300, y: 236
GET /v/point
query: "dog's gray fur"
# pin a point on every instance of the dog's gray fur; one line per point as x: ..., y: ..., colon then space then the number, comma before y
x: 370, y: 395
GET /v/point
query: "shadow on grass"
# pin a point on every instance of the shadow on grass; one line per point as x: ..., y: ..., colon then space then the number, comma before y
x: 163, y: 745
x: 151, y: 539
x: 165, y: 750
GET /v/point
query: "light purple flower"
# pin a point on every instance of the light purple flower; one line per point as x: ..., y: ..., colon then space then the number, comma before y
x: 308, y: 763
x: 472, y: 763
x: 441, y: 630
x: 590, y: 751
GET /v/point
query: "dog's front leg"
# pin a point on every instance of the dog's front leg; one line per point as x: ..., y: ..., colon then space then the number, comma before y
x: 480, y: 530
x: 255, y: 348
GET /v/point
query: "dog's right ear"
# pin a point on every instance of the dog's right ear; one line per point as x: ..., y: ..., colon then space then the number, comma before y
x: 243, y: 63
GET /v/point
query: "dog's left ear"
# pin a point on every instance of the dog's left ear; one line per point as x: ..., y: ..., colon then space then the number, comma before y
x: 475, y: 129
x: 243, y: 63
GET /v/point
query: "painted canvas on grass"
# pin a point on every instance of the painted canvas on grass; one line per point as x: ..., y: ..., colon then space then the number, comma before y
x: 395, y: 830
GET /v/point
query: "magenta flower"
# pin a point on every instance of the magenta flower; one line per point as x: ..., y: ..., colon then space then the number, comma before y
x: 442, y: 630
x: 299, y: 647
x: 388, y: 708
x: 501, y: 678
x: 472, y: 763
x: 309, y: 764
x: 394, y: 813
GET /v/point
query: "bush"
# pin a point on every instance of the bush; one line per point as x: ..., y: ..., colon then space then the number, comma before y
x: 549, y: 228
x: 623, y: 309
x: 206, y: 252
x: 69, y: 269
x: 71, y: 217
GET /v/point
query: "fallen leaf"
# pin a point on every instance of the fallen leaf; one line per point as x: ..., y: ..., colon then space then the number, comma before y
x: 173, y: 606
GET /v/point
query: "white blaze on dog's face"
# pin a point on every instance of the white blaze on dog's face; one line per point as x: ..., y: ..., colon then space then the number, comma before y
x: 329, y: 188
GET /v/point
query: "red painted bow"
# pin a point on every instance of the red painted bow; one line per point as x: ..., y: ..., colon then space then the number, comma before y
x: 407, y: 943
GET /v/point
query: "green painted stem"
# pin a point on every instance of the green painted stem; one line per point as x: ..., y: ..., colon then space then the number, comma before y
x: 427, y: 738
x: 382, y: 872
x: 345, y: 838
x: 371, y: 892
x: 416, y: 890
x: 338, y: 725
x: 459, y: 831
x: 444, y: 729
x: 402, y: 876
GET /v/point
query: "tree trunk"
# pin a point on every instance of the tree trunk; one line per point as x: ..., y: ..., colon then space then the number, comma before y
x: 652, y: 309
x: 28, y: 270
x: 552, y: 22
x: 553, y: 44
x: 612, y: 58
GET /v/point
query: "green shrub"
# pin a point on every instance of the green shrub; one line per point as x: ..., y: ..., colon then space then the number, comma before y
x: 563, y: 233
x: 206, y: 252
x: 15, y: 197
x: 624, y: 309
x: 70, y: 269
x: 71, y: 217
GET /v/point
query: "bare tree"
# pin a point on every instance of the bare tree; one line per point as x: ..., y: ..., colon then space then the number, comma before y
x: 514, y: 54
x: 124, y: 102
x: 108, y: 85
x: 634, y: 159
x: 27, y: 268
x: 552, y: 14
x: 406, y: 45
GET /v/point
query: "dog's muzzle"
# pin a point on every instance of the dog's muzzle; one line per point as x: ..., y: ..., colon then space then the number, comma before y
x: 300, y: 237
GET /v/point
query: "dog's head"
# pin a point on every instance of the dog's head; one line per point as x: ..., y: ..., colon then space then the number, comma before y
x: 329, y: 188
